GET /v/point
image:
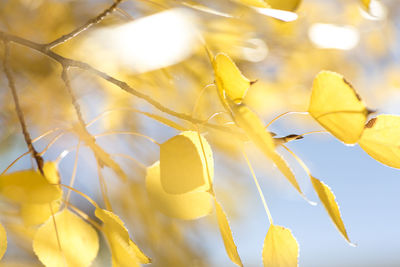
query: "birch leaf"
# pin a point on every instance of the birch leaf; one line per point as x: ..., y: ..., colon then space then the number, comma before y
x: 381, y: 139
x: 79, y: 241
x: 254, y: 128
x: 187, y: 206
x: 183, y: 167
x: 328, y: 199
x: 280, y: 248
x: 3, y: 241
x: 337, y: 107
x: 227, y: 236
x: 124, y: 251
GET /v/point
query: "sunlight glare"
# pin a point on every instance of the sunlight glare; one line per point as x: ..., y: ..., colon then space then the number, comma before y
x: 333, y: 36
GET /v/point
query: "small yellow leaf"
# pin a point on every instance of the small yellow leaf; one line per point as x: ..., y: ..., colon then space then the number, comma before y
x: 365, y: 4
x: 254, y: 128
x: 280, y: 248
x: 28, y: 186
x: 79, y: 241
x: 288, y: 5
x: 226, y: 234
x: 187, y: 206
x: 124, y: 251
x: 183, y: 167
x: 3, y: 241
x: 337, y: 107
x: 381, y: 139
x: 328, y: 199
x: 255, y: 3
x: 230, y: 81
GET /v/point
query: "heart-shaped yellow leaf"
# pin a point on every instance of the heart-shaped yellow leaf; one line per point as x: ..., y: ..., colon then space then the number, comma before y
x: 280, y: 248
x: 28, y: 186
x: 254, y: 128
x: 230, y: 81
x: 381, y: 139
x: 187, y: 206
x: 227, y: 236
x: 3, y: 241
x: 79, y: 241
x: 183, y: 167
x: 328, y: 199
x: 337, y: 107
x: 124, y: 251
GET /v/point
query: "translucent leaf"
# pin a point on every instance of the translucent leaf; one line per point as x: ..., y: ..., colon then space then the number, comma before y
x: 187, y: 206
x: 3, y: 241
x: 226, y: 234
x: 328, y: 199
x: 28, y: 186
x: 288, y: 5
x: 381, y: 139
x: 34, y: 214
x: 230, y: 81
x: 337, y: 107
x: 124, y: 251
x: 280, y: 248
x: 79, y: 241
x: 254, y: 128
x: 182, y: 165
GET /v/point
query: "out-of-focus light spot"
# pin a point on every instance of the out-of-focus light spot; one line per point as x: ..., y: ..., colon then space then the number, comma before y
x: 283, y: 15
x: 145, y: 44
x: 333, y: 36
x: 255, y: 50
x: 376, y: 11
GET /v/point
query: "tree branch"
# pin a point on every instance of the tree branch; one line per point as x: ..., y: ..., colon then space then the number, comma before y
x: 21, y: 118
x: 84, y: 27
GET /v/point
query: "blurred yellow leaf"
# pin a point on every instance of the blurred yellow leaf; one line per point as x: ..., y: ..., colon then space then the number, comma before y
x: 3, y: 241
x: 187, y: 206
x: 124, y: 251
x: 182, y: 165
x: 288, y: 5
x: 226, y: 234
x: 28, y: 186
x: 337, y: 107
x: 230, y: 81
x: 280, y: 248
x: 256, y: 3
x: 366, y: 3
x: 381, y: 139
x: 328, y: 199
x: 254, y: 128
x: 79, y: 241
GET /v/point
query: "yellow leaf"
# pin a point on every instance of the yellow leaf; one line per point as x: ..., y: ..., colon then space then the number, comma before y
x: 288, y: 5
x: 337, y: 107
x: 187, y: 206
x: 365, y: 4
x: 28, y: 186
x: 226, y: 234
x: 182, y: 165
x: 50, y: 170
x: 79, y: 241
x: 3, y: 241
x: 34, y: 214
x: 124, y: 251
x: 230, y: 81
x: 254, y: 128
x: 327, y: 198
x: 255, y: 3
x: 381, y: 139
x: 280, y: 248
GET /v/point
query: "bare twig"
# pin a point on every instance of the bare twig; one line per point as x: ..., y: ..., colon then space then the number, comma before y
x: 21, y: 118
x: 84, y: 27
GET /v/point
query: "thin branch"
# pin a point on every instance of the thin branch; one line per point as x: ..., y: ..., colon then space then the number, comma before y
x: 84, y: 27
x: 67, y: 62
x: 21, y: 118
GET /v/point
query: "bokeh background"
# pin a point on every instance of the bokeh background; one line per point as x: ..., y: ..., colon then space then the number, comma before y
x: 163, y: 56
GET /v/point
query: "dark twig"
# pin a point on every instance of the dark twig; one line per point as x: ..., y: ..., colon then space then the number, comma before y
x: 11, y: 84
x: 84, y: 27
